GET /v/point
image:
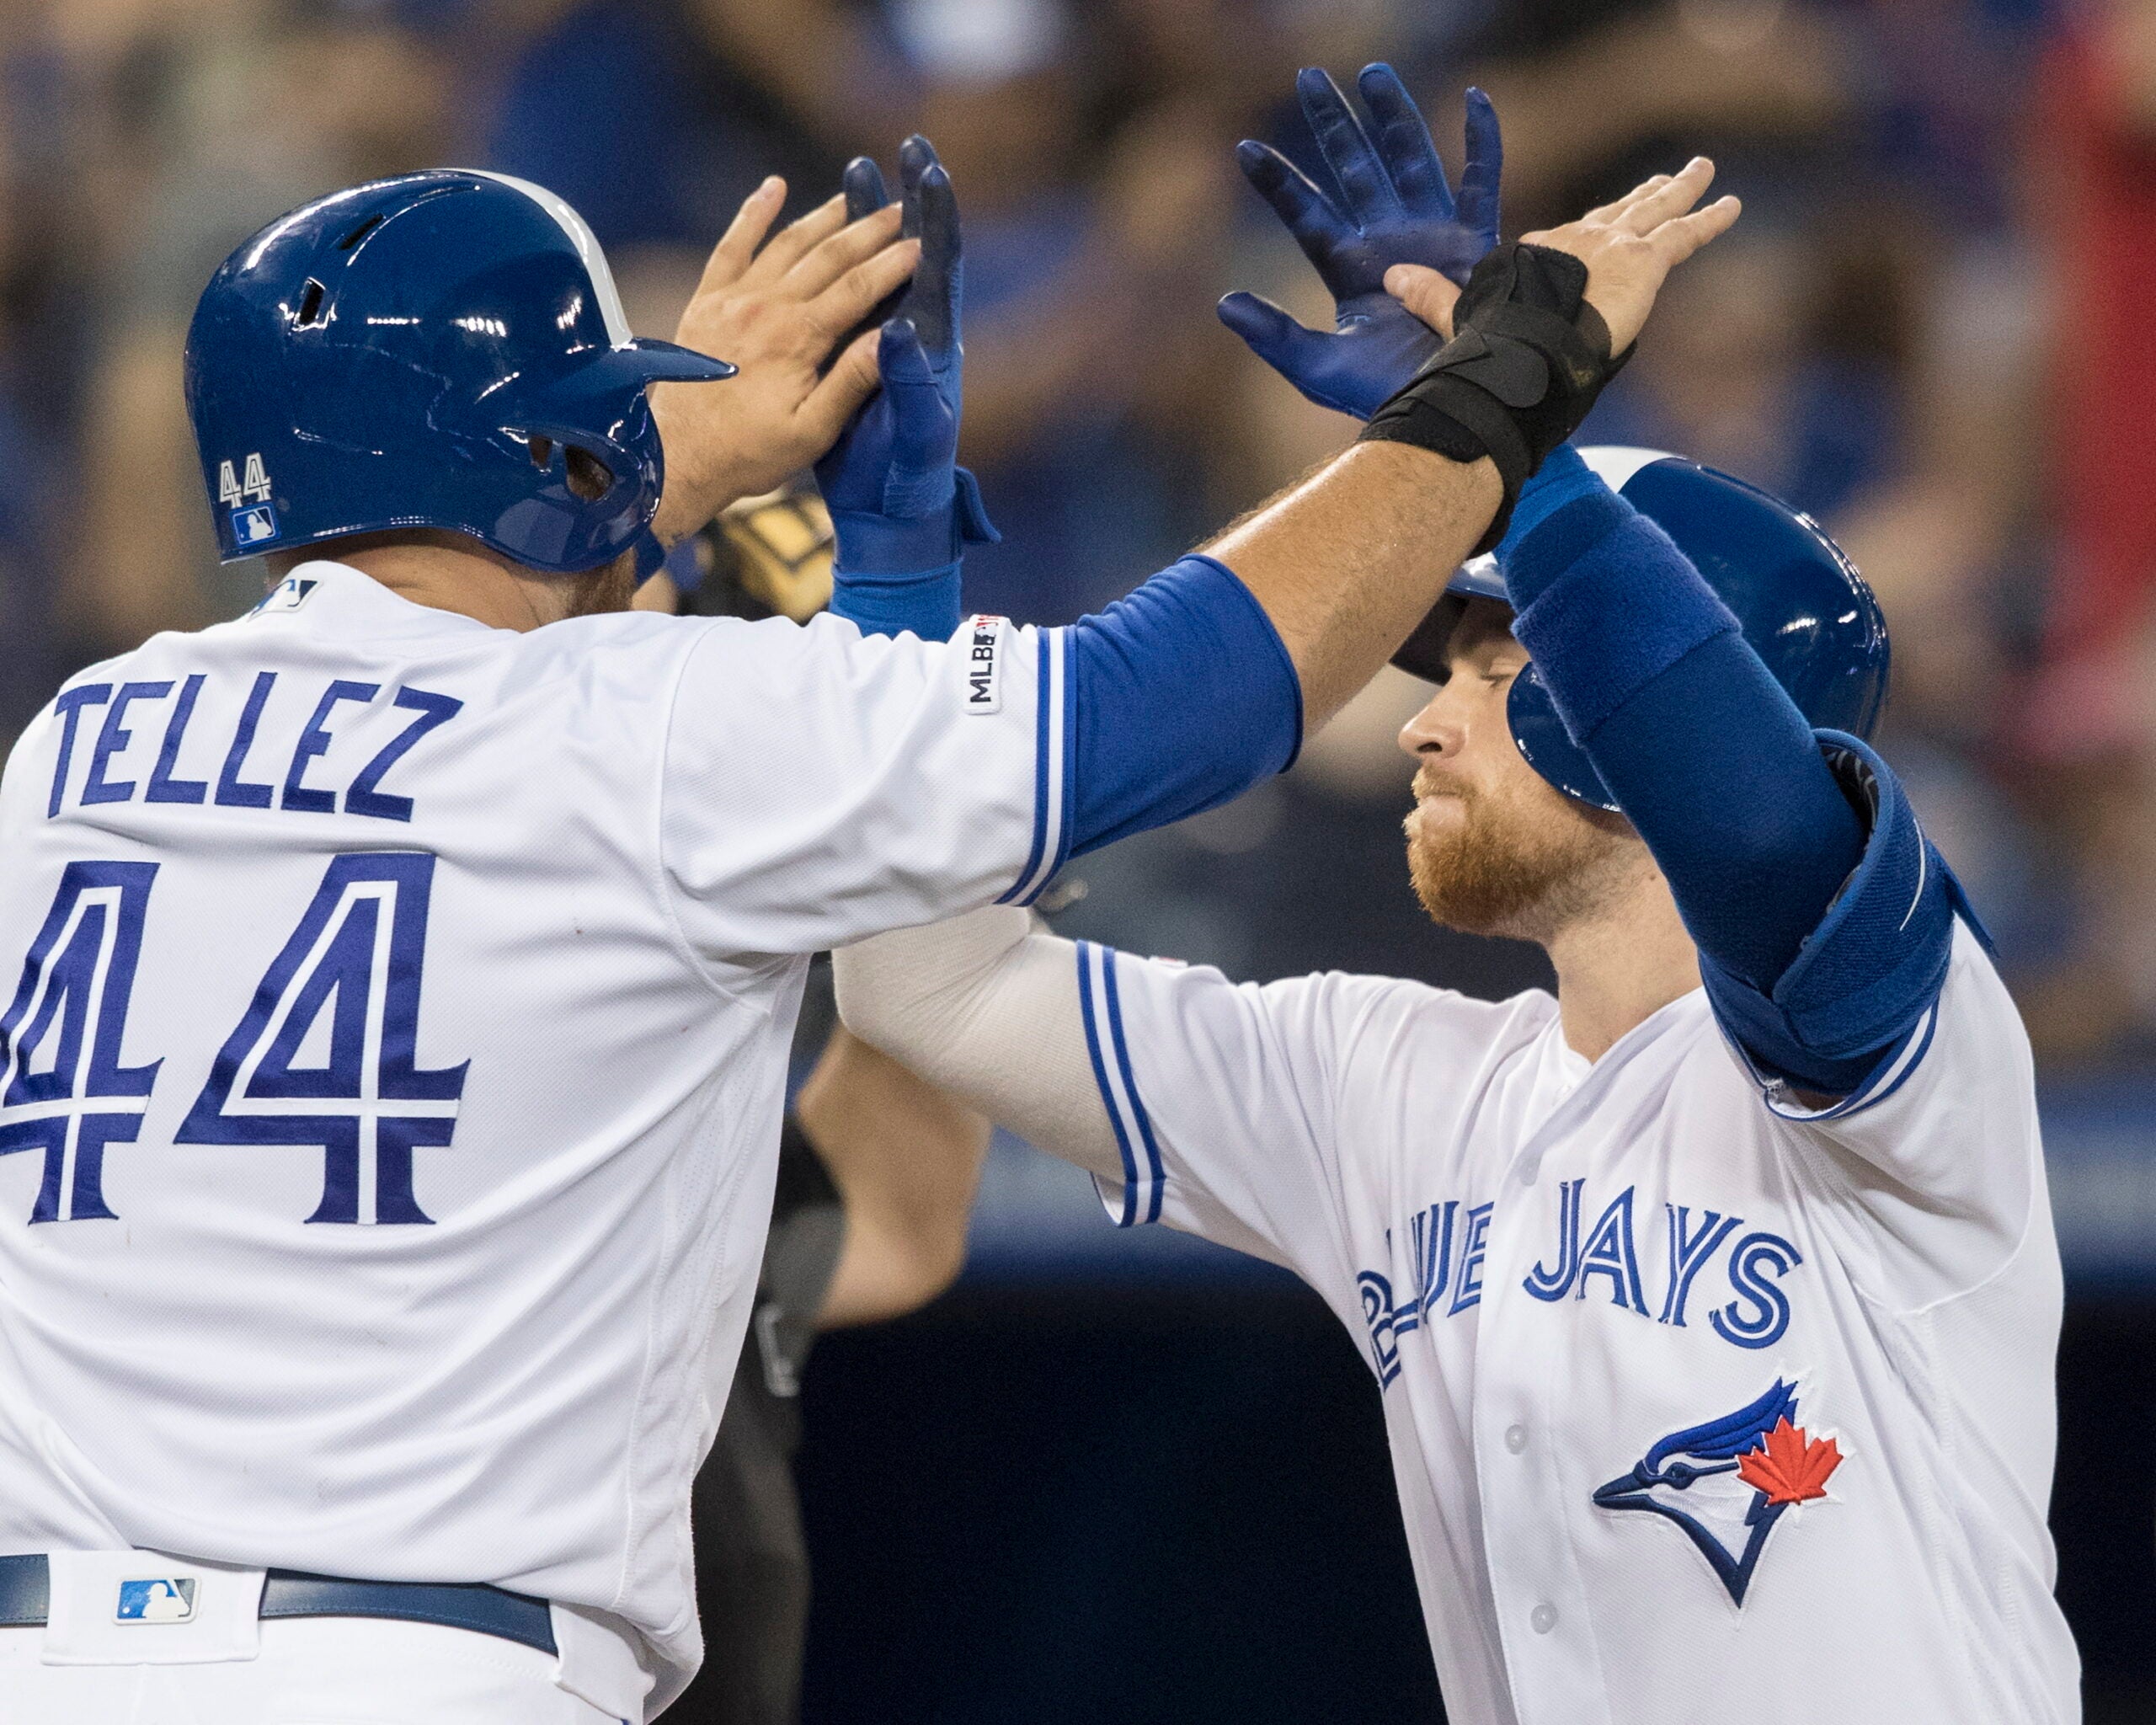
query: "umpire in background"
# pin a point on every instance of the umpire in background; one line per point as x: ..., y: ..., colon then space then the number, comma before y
x: 876, y: 1178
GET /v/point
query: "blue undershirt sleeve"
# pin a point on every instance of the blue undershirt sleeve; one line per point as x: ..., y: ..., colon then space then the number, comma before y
x: 1760, y: 837
x: 926, y: 604
x: 1184, y: 697
x: 893, y: 576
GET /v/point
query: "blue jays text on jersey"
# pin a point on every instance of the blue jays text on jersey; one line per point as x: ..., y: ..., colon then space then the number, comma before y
x: 1446, y: 1244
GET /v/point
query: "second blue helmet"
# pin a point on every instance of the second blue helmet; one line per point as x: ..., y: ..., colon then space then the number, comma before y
x: 1805, y: 609
x: 426, y: 352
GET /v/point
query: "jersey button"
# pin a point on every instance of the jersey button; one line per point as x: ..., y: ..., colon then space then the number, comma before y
x: 1515, y: 1438
x: 1545, y: 1618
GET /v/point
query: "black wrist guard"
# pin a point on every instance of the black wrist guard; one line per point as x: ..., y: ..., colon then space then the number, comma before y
x: 1530, y: 357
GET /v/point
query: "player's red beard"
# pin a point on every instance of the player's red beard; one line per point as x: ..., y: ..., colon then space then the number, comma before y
x: 1509, y: 865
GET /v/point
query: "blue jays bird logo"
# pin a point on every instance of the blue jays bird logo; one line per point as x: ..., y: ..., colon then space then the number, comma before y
x: 1727, y: 1482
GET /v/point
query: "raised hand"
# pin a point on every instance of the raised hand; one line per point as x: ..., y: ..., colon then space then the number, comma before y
x: 779, y: 311
x: 901, y: 506
x: 1399, y: 209
x: 1629, y: 245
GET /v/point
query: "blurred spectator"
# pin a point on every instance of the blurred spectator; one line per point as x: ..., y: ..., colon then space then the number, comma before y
x: 218, y: 116
x: 2099, y: 114
x: 27, y: 505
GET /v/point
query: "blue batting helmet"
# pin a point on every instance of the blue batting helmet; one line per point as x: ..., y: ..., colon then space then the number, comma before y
x: 1805, y: 609
x: 426, y: 352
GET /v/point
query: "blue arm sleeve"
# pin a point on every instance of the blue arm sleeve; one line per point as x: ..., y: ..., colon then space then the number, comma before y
x: 1720, y: 774
x: 1182, y: 697
x: 893, y: 576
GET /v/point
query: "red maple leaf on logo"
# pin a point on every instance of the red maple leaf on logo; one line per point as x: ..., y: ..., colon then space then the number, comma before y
x: 1788, y: 1467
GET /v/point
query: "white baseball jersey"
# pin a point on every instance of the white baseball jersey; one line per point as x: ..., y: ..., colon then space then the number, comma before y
x: 394, y: 1015
x: 1701, y: 1407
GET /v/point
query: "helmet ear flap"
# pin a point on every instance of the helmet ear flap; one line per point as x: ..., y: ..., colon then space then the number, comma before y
x: 600, y: 491
x: 1548, y: 747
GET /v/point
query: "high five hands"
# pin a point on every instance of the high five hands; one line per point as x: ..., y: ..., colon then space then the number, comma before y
x: 1629, y: 245
x: 1398, y: 246
x: 1397, y: 209
x: 901, y: 506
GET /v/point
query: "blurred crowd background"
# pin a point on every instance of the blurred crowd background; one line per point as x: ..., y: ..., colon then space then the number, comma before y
x: 1932, y: 330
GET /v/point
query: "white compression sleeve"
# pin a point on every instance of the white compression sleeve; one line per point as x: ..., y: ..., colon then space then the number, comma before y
x: 988, y: 1010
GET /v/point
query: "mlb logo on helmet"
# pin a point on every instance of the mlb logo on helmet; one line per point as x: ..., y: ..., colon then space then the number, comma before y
x: 1760, y: 1446
x: 256, y: 525
x: 161, y: 1599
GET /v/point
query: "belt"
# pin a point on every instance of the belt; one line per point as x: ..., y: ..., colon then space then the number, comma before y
x: 26, y: 1597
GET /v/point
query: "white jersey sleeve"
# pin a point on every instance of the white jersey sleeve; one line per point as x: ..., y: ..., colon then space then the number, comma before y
x: 1225, y: 1099
x: 819, y: 786
x: 1269, y: 1117
x: 1231, y: 1111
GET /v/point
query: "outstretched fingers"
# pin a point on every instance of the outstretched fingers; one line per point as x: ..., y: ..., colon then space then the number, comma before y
x: 1483, y: 168
x: 933, y: 305
x: 1677, y: 239
x: 1664, y: 197
x: 858, y: 292
x: 737, y: 246
x: 1409, y: 158
x: 1347, y: 147
x: 1319, y: 228
x: 793, y: 242
x: 917, y: 156
x: 864, y: 189
x: 1602, y: 215
x: 856, y: 242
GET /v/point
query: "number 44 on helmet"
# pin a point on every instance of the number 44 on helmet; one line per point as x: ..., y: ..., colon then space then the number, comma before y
x: 445, y: 349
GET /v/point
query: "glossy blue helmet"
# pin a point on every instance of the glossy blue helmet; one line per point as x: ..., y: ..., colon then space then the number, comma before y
x: 1805, y: 609
x: 426, y: 352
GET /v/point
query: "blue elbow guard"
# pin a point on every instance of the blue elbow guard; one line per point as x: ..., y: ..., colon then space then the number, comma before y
x: 1844, y: 1010
x: 1185, y: 697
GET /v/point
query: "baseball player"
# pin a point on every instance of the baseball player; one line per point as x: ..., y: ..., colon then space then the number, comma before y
x: 390, y: 1085
x: 1712, y: 1302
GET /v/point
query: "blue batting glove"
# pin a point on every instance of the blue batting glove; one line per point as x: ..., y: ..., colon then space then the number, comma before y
x: 1399, y: 209
x: 902, y: 509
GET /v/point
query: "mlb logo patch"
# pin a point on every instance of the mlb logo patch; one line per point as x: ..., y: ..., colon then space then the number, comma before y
x: 254, y: 526
x: 288, y: 595
x: 161, y: 1599
x: 984, y: 663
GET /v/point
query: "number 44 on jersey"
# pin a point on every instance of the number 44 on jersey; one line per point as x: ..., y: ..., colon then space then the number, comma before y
x: 325, y: 1053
